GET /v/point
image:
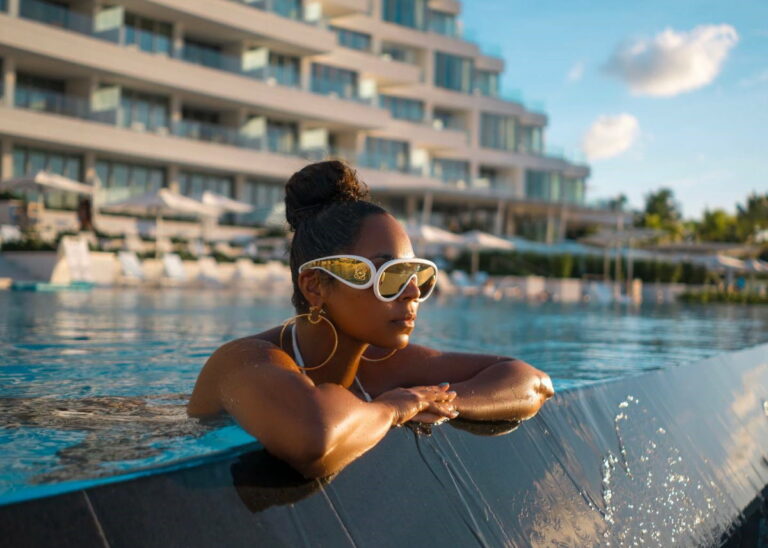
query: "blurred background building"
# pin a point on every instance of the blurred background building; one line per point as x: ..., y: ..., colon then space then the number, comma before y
x: 233, y: 96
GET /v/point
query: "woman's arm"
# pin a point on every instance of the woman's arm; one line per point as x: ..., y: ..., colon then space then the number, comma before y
x: 316, y: 429
x: 488, y: 387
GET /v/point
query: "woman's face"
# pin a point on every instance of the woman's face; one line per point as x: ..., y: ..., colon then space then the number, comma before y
x: 358, y: 313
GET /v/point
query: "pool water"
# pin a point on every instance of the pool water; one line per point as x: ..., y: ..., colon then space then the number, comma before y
x: 93, y: 384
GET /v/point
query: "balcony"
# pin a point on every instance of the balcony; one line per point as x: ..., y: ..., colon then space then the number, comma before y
x: 30, y: 98
x: 231, y: 86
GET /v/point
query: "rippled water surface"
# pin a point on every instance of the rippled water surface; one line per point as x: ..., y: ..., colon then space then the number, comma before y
x: 93, y: 384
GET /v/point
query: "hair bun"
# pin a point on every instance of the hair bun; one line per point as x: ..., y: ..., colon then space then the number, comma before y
x: 317, y: 186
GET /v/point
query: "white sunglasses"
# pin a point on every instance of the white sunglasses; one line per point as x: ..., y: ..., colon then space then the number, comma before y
x: 388, y: 281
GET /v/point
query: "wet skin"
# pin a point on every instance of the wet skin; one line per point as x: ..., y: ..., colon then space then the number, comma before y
x: 314, y: 421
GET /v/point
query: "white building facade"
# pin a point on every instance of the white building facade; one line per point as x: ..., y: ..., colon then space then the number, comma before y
x: 234, y: 96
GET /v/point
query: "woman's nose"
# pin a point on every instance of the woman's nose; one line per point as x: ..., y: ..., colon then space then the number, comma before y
x: 411, y: 290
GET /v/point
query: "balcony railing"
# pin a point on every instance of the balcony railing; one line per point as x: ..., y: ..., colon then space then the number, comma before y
x: 55, y: 15
x: 58, y: 103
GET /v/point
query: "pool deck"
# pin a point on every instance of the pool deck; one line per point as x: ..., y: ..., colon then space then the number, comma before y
x: 671, y: 457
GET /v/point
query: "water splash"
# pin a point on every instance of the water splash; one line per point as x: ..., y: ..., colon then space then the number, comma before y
x: 677, y: 510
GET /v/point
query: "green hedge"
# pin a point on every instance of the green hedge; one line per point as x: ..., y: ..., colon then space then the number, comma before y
x: 506, y: 263
x: 712, y: 296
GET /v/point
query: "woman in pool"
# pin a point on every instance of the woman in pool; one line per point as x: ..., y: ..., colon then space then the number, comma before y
x: 327, y: 387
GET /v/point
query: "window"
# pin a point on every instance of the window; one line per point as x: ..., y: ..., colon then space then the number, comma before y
x: 409, y: 13
x: 194, y: 183
x: 149, y: 34
x: 120, y: 180
x: 531, y: 139
x: 448, y: 118
x: 452, y: 72
x: 203, y: 125
x: 284, y: 69
x: 203, y: 53
x: 573, y: 190
x: 537, y: 186
x: 328, y: 80
x: 443, y: 23
x: 399, y: 53
x: 28, y: 161
x: 291, y: 9
x: 497, y: 131
x: 451, y: 171
x: 487, y: 82
x: 282, y: 136
x: 142, y: 111
x: 387, y: 155
x: 403, y: 109
x: 489, y: 176
x: 39, y: 93
x: 263, y: 196
x: 46, y: 11
x: 352, y: 39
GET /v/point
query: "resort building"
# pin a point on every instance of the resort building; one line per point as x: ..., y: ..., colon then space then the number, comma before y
x: 233, y: 96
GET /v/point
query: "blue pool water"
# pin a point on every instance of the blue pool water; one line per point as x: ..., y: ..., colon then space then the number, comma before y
x: 93, y: 384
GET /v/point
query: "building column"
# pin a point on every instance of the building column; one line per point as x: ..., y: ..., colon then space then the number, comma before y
x: 426, y: 209
x: 518, y: 182
x: 174, y: 107
x: 563, y: 224
x: 172, y: 174
x: 511, y: 226
x: 305, y: 73
x: 9, y: 81
x: 498, y: 221
x: 410, y: 209
x: 177, y: 38
x: 6, y: 159
x: 550, y: 233
x: 13, y: 7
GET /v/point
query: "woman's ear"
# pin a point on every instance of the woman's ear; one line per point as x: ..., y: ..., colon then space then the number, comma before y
x: 312, y: 287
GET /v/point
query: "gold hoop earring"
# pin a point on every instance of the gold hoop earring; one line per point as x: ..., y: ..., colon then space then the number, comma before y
x: 317, y: 319
x: 380, y: 359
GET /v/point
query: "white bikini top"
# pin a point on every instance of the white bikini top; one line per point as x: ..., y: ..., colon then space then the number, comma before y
x: 300, y: 360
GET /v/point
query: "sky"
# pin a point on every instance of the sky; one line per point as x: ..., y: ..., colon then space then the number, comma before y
x: 659, y: 93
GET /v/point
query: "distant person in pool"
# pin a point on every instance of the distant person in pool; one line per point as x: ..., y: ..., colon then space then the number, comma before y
x: 327, y: 386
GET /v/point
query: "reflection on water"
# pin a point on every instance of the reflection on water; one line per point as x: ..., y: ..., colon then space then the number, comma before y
x: 80, y: 371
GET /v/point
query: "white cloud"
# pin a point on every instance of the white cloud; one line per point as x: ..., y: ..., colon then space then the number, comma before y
x: 576, y: 72
x: 609, y: 136
x: 673, y: 62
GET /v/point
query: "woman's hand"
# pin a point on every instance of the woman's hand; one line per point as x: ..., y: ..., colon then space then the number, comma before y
x: 429, y: 404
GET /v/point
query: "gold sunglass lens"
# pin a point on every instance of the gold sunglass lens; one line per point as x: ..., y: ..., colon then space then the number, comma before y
x: 394, y: 278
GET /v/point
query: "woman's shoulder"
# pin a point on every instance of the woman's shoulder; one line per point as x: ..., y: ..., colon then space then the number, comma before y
x: 240, y: 358
x: 262, y: 348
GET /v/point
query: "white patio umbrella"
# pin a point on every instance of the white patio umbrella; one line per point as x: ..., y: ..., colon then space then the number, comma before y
x: 225, y: 203
x: 44, y: 181
x: 162, y: 202
x: 477, y: 240
x: 425, y: 235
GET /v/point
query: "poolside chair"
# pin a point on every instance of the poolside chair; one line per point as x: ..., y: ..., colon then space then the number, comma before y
x: 209, y: 271
x: 131, y: 271
x: 78, y: 259
x: 173, y: 270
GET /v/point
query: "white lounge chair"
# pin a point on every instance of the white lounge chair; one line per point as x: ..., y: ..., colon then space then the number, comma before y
x: 173, y: 269
x: 131, y: 271
x: 209, y: 271
x: 78, y: 259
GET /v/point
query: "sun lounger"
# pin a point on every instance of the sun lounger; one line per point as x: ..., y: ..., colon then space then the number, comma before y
x: 131, y: 271
x: 173, y: 269
x: 78, y: 259
x: 209, y: 271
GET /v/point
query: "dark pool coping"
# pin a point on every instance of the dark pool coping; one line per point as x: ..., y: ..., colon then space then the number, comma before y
x: 543, y: 482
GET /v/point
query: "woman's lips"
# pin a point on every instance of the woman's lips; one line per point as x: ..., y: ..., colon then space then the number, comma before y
x: 405, y: 321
